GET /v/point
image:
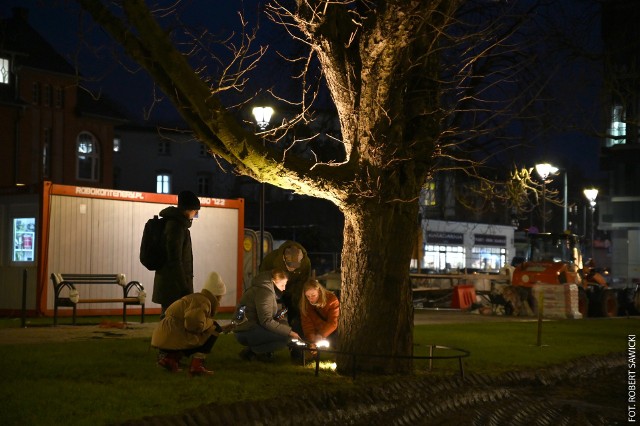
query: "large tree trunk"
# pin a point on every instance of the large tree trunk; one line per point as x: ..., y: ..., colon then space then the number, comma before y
x: 376, y: 320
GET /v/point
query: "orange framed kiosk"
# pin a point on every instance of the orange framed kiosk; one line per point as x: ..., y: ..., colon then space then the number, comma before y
x: 98, y: 230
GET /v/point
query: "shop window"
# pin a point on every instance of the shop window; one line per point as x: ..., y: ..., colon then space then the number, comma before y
x: 488, y: 258
x: 443, y: 258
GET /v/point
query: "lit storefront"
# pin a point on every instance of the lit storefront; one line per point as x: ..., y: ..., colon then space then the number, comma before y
x: 454, y: 246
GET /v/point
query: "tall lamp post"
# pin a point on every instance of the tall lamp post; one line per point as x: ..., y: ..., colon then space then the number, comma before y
x: 565, y: 211
x: 262, y: 116
x: 544, y: 170
x: 591, y: 194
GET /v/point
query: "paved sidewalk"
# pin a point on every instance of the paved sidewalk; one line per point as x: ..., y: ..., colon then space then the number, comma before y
x: 67, y: 333
x: 117, y: 330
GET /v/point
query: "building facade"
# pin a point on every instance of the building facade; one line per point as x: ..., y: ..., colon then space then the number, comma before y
x: 619, y: 208
x: 50, y: 129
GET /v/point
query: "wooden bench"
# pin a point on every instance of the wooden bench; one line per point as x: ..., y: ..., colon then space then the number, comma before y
x: 72, y: 296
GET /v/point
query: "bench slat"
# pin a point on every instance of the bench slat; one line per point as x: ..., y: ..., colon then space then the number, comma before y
x: 127, y: 300
x: 90, y: 279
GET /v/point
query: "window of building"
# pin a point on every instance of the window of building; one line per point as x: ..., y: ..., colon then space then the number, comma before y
x: 59, y: 97
x: 443, y: 258
x: 429, y: 193
x: 47, y: 95
x: 164, y: 148
x: 4, y: 71
x: 204, y: 150
x: 117, y: 176
x: 46, y: 154
x: 35, y: 93
x: 488, y: 258
x: 88, y: 154
x: 163, y: 183
x: 203, y: 185
x: 618, y: 130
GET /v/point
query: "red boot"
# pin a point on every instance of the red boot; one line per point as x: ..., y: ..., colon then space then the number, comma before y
x: 170, y: 361
x: 197, y: 367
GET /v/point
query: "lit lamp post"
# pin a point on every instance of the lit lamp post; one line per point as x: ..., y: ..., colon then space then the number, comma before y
x: 565, y: 211
x: 591, y: 194
x: 262, y: 116
x: 544, y: 170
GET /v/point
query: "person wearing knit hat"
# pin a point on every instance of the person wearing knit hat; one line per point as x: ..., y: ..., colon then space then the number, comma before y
x: 187, y: 200
x: 175, y: 278
x: 189, y: 328
x: 215, y: 285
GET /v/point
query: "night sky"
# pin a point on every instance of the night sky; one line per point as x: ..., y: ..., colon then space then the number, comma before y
x: 57, y: 21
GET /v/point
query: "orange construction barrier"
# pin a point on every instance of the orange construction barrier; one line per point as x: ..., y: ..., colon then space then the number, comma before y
x: 464, y: 295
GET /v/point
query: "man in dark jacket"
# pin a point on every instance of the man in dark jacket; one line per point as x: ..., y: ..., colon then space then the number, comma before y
x: 175, y: 278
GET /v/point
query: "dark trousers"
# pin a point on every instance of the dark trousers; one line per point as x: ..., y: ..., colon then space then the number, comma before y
x: 205, y: 349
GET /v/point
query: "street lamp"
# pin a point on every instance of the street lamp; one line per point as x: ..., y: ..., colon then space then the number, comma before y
x: 565, y: 205
x: 262, y: 116
x: 544, y: 170
x: 591, y: 194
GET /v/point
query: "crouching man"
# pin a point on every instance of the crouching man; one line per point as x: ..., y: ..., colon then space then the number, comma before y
x: 189, y: 329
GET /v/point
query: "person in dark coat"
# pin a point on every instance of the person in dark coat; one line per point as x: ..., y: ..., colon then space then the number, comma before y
x: 175, y: 278
x: 263, y: 333
x: 292, y: 258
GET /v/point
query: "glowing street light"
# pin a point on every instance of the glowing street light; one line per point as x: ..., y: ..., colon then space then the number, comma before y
x: 262, y: 116
x: 544, y: 170
x: 591, y: 194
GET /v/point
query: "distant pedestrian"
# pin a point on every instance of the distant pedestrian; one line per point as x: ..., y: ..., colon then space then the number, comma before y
x: 263, y: 333
x: 175, y: 278
x: 189, y: 328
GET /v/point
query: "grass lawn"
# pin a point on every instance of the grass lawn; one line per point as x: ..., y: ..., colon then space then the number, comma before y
x: 97, y: 382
